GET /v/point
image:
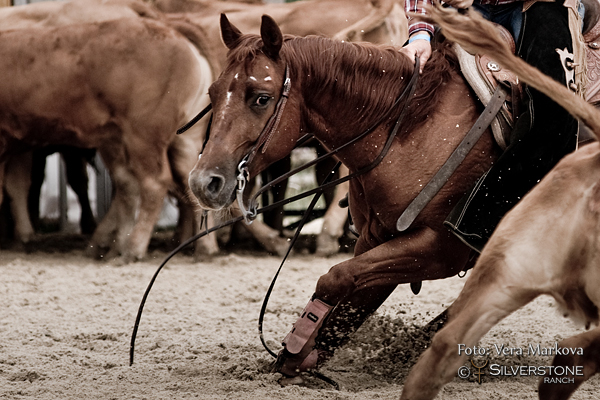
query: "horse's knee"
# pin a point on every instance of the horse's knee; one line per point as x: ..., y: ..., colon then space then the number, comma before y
x: 334, y: 285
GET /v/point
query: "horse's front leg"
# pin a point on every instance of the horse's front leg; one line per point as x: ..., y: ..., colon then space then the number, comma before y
x: 354, y: 289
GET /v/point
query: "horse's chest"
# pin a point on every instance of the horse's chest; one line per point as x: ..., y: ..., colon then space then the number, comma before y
x: 375, y: 204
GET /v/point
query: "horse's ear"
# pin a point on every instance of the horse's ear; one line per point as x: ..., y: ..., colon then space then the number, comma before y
x: 271, y: 37
x: 230, y: 33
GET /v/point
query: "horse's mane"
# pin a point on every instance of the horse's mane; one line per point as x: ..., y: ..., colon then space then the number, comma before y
x: 368, y: 77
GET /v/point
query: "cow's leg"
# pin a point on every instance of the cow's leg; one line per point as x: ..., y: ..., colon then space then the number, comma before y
x: 103, y: 237
x: 206, y: 245
x: 358, y: 286
x: 38, y: 174
x: 17, y: 184
x: 152, y: 194
x: 266, y: 236
x: 334, y: 220
x: 153, y: 176
x: 126, y: 203
x: 489, y: 295
x: 274, y: 217
x: 183, y: 154
x: 185, y: 221
x: 112, y: 231
x: 590, y: 361
x: 77, y: 177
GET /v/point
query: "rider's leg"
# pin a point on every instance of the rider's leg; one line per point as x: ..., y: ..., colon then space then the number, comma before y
x: 543, y: 134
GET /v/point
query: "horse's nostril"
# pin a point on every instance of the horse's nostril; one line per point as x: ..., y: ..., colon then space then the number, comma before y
x: 215, y: 185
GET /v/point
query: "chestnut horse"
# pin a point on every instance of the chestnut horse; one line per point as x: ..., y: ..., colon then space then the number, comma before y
x: 338, y: 90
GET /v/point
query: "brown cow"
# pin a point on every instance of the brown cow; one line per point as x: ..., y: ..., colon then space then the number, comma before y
x: 548, y: 244
x: 182, y: 151
x: 103, y: 85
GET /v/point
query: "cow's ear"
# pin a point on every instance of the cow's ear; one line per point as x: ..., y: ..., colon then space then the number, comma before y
x: 271, y: 37
x: 230, y: 33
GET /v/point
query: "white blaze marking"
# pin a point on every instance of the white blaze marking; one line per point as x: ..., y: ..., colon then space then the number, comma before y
x: 227, y: 100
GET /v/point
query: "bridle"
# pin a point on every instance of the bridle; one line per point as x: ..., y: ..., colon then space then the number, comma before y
x: 250, y: 212
x: 261, y: 145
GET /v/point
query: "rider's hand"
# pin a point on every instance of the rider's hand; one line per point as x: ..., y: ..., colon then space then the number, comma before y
x: 418, y: 48
x: 459, y: 3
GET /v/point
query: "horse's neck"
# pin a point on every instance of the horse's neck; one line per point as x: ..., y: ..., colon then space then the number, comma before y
x: 346, y: 88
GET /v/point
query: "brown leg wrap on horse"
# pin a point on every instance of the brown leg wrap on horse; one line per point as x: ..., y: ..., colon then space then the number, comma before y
x: 299, y: 354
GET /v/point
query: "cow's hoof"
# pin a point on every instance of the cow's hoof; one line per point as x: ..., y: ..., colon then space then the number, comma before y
x: 327, y: 245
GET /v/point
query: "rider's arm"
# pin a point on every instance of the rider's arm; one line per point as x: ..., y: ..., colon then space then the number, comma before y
x: 419, y: 32
x: 415, y: 24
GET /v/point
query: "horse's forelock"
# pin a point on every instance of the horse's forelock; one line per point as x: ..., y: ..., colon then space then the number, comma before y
x: 247, y: 47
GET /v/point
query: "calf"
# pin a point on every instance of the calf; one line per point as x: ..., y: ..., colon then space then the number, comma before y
x: 548, y: 244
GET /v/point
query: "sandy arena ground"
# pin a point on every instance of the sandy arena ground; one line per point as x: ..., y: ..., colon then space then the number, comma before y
x: 66, y: 324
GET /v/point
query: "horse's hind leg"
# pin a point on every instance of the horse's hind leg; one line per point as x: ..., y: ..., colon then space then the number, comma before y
x: 589, y: 341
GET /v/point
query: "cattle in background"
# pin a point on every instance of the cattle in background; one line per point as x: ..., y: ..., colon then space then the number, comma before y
x: 547, y: 244
x: 103, y: 85
x: 130, y: 235
x: 23, y: 181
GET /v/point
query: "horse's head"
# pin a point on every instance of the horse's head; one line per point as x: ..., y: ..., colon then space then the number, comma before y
x: 250, y: 116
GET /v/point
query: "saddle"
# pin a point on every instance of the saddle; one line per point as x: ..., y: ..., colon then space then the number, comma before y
x: 592, y: 58
x: 484, y: 75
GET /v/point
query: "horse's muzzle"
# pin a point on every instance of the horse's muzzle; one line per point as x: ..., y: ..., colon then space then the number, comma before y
x: 212, y: 189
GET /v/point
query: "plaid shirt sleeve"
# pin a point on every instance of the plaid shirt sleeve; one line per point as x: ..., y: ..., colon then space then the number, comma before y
x: 416, y: 6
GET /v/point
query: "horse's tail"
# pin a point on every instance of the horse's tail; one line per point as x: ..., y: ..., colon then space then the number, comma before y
x: 477, y: 35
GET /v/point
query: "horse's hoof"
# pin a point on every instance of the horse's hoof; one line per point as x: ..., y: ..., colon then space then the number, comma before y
x: 294, y: 380
x: 202, y: 249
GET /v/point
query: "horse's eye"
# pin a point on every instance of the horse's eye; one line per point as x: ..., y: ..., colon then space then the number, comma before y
x: 262, y: 100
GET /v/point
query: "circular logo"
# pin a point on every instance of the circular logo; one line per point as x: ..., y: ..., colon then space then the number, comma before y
x: 464, y: 372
